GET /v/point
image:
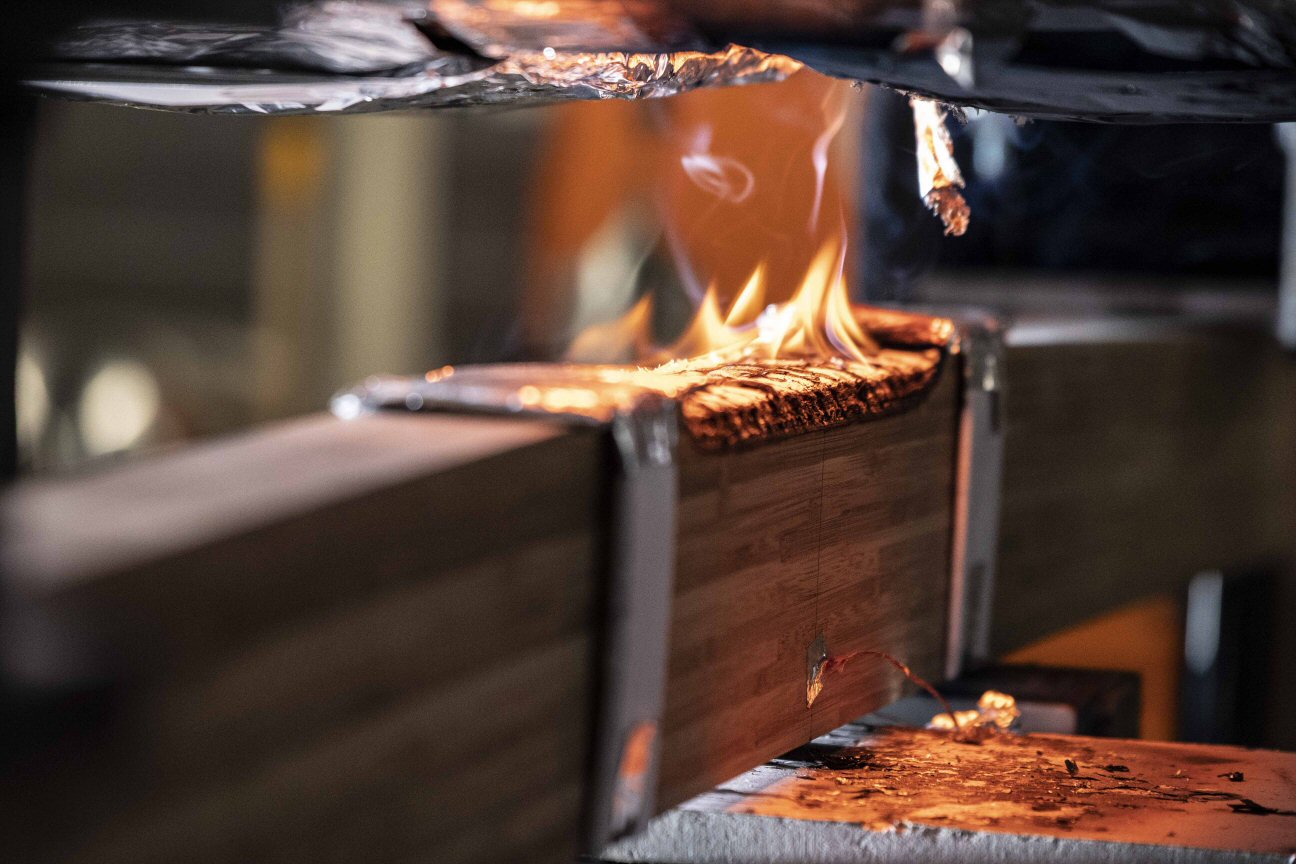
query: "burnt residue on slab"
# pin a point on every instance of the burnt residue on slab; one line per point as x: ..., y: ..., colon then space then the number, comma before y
x: 1062, y: 786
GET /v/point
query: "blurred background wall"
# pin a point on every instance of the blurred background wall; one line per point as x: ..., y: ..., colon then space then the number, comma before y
x: 190, y: 275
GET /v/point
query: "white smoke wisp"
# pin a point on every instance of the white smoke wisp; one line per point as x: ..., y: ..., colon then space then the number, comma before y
x: 834, y: 117
x: 725, y: 178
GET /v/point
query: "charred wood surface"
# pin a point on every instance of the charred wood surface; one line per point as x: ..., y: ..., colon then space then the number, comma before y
x: 742, y: 403
x: 761, y: 400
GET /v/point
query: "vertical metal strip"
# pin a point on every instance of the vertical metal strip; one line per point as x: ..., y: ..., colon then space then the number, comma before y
x: 640, y: 584
x: 1286, y: 323
x: 636, y: 651
x: 977, y: 490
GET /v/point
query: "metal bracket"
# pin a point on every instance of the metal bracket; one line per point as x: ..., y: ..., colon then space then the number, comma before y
x: 977, y: 491
x: 1286, y: 323
x: 635, y: 648
x: 638, y: 622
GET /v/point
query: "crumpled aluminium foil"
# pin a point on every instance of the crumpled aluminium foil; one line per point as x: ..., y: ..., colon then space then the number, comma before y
x: 1205, y: 60
x: 332, y: 36
x: 388, y: 62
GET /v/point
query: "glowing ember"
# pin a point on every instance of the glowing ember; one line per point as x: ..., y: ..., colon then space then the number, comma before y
x: 995, y: 712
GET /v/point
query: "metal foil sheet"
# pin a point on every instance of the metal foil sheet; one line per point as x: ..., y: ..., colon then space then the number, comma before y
x: 344, y: 57
x: 1124, y: 61
x: 335, y: 36
x: 1131, y: 61
x: 527, y: 77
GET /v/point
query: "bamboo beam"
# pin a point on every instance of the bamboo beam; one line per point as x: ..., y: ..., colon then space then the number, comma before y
x: 310, y: 630
x: 336, y: 617
x: 1137, y: 454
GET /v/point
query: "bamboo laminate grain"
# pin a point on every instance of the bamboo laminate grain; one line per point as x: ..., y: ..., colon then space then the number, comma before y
x: 843, y: 532
x: 312, y: 628
x: 1135, y: 462
x: 383, y: 632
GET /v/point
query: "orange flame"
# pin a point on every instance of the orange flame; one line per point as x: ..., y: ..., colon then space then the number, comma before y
x: 750, y: 299
x: 622, y: 340
x: 818, y: 323
x: 735, y: 198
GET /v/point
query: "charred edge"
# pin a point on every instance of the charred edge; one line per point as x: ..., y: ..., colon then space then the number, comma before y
x: 797, y: 400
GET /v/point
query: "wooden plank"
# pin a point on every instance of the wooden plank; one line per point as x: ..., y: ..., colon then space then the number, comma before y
x: 337, y: 624
x: 315, y: 627
x: 1134, y: 461
x: 843, y: 532
x: 896, y: 794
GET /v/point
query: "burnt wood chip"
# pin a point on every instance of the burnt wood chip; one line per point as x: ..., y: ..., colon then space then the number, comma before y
x: 1116, y: 769
x: 848, y: 759
x: 1246, y: 805
x: 1234, y: 776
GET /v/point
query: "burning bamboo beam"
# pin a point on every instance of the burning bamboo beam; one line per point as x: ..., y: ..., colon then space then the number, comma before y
x: 296, y: 608
x: 343, y: 595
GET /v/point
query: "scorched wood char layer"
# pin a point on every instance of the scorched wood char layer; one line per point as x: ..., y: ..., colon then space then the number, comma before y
x: 726, y: 398
x: 745, y: 402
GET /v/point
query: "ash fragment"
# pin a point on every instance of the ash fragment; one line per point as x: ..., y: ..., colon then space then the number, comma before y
x: 848, y: 760
x: 1251, y: 808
